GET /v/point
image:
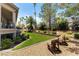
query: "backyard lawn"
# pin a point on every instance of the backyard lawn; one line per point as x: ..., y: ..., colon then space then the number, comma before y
x: 34, y: 38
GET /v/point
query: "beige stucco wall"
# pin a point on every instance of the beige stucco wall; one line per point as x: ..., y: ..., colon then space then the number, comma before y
x: 8, y: 7
x: 14, y: 11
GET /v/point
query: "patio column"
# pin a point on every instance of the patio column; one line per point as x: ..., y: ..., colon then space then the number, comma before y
x: 14, y: 19
x: 0, y: 16
x: 14, y: 22
x: 0, y: 26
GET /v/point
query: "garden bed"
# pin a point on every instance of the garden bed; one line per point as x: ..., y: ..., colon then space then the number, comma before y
x: 45, y: 32
x: 34, y: 38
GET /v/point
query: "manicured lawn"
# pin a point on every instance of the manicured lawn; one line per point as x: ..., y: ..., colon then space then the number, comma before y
x: 34, y: 38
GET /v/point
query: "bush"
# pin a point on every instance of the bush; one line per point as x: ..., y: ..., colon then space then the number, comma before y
x: 42, y: 26
x: 22, y: 32
x: 54, y: 27
x: 44, y: 32
x: 17, y: 40
x: 54, y: 33
x: 6, y: 43
x: 62, y: 24
x: 75, y: 25
x: 65, y: 38
x: 69, y: 32
x: 76, y: 35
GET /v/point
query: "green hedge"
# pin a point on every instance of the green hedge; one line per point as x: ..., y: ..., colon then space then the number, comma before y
x: 6, y: 43
x: 76, y: 35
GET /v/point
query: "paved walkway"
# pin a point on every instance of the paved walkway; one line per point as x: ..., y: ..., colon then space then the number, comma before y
x: 36, y: 49
x: 40, y: 49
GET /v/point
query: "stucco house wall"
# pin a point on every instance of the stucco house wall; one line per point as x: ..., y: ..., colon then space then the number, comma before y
x: 8, y: 14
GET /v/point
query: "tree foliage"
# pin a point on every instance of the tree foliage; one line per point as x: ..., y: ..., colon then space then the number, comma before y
x: 42, y: 26
x: 46, y: 13
x: 31, y: 23
x: 62, y: 24
x: 72, y: 9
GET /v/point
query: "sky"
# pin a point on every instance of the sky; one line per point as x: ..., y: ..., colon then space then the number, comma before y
x: 27, y: 9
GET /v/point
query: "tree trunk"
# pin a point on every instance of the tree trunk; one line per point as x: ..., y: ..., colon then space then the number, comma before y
x: 49, y: 22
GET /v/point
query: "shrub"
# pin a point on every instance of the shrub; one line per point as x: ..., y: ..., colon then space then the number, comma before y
x: 17, y: 40
x: 69, y: 32
x: 22, y: 32
x: 54, y: 27
x: 65, y: 38
x: 6, y: 43
x: 62, y: 24
x: 76, y: 35
x: 42, y: 26
x: 75, y: 25
x: 23, y: 37
x: 44, y: 32
x: 54, y: 33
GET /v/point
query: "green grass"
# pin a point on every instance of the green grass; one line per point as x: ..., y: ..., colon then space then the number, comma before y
x: 34, y: 38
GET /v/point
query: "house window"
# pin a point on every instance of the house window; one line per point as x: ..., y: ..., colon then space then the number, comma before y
x: 5, y: 36
x: 7, y: 21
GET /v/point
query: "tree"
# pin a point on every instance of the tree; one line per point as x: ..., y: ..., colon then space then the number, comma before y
x: 72, y: 9
x: 42, y: 26
x: 75, y: 25
x: 20, y: 23
x: 35, y: 14
x: 62, y: 24
x: 46, y: 13
x: 21, y: 19
x: 31, y: 22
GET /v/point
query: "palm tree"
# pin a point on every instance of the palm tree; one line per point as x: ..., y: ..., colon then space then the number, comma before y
x: 21, y: 20
x: 30, y: 21
x: 35, y: 13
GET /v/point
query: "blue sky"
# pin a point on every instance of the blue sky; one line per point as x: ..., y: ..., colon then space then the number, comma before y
x: 27, y: 9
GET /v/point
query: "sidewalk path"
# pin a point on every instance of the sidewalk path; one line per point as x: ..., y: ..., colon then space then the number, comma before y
x: 40, y: 49
x: 33, y: 50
